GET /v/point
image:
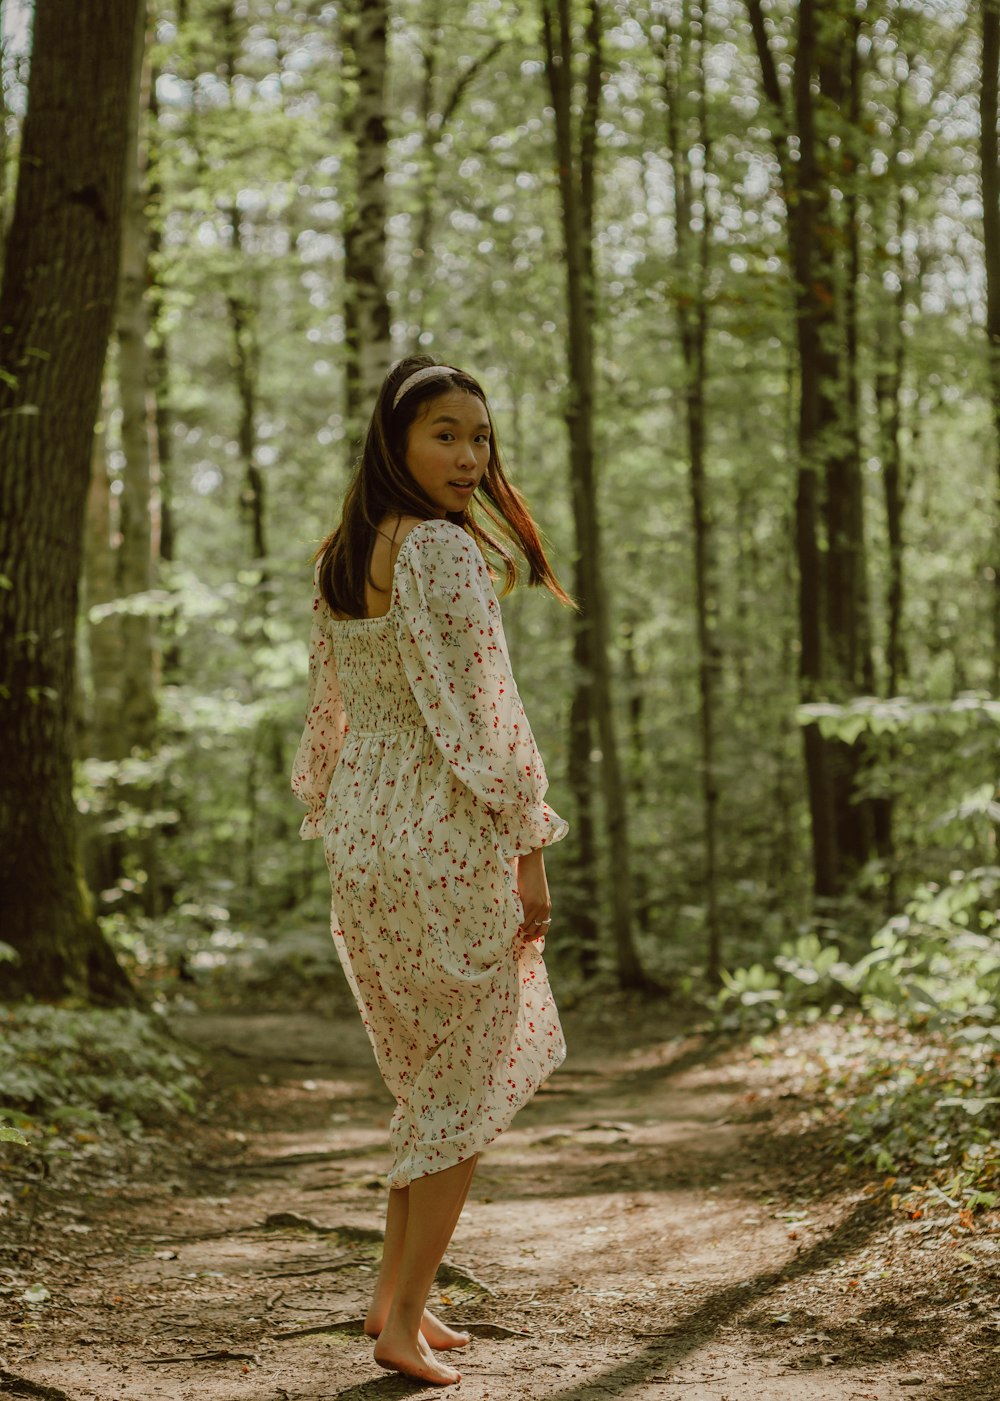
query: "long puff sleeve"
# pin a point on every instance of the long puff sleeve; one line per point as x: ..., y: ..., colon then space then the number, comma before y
x: 325, y: 723
x: 450, y: 635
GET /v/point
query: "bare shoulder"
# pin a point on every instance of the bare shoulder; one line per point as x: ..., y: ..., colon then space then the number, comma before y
x: 437, y: 532
x: 395, y: 529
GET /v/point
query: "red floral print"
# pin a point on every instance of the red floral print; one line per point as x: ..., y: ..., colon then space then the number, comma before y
x: 420, y: 772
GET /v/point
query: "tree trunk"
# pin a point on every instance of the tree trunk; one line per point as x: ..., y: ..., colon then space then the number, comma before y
x: 366, y: 306
x: 835, y: 655
x: 693, y: 234
x: 848, y: 662
x: 136, y: 503
x: 246, y: 345
x: 56, y: 308
x: 101, y: 659
x: 584, y: 901
x: 139, y: 717
x: 576, y: 188
x: 990, y: 175
x: 160, y: 381
x: 435, y: 120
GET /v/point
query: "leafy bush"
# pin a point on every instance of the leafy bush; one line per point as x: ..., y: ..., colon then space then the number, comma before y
x: 915, y: 1075
x: 807, y: 974
x: 70, y: 1066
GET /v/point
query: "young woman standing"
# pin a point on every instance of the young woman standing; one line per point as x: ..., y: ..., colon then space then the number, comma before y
x: 421, y: 775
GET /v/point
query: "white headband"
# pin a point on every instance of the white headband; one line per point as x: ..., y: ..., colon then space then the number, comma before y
x: 418, y: 377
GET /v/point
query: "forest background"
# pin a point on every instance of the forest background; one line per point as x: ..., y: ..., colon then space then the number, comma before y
x: 731, y: 275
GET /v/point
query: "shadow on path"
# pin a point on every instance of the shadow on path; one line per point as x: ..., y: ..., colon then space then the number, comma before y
x: 702, y: 1323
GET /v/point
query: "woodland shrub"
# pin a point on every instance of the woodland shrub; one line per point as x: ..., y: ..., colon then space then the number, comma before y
x: 909, y: 1055
x: 74, y: 1067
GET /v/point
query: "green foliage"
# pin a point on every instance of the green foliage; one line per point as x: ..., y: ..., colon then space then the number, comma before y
x: 72, y: 1067
x: 915, y: 1077
x: 11, y: 1135
x: 917, y: 1104
x: 938, y: 964
x: 807, y: 974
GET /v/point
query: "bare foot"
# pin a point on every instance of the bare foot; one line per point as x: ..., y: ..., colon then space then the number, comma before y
x: 438, y: 1334
x: 397, y: 1353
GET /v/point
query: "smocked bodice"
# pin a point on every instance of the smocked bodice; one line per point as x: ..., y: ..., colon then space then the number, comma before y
x: 374, y: 689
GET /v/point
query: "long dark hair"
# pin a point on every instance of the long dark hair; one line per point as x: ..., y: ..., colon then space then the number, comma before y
x: 381, y: 483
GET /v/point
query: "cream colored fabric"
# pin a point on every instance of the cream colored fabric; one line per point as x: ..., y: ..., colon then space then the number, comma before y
x: 420, y: 771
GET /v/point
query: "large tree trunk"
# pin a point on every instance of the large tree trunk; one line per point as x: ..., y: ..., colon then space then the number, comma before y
x: 366, y: 307
x: 799, y: 181
x: 56, y: 307
x: 576, y: 188
x: 848, y: 661
x: 990, y: 174
x: 835, y: 656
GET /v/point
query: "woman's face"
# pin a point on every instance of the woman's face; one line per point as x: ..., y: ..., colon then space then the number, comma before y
x: 448, y: 448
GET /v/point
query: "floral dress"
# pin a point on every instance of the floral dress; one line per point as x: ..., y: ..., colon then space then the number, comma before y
x: 421, y: 774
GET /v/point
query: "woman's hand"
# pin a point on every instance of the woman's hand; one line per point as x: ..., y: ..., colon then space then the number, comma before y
x: 533, y: 889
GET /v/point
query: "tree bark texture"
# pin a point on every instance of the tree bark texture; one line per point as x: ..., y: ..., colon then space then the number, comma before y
x: 848, y: 661
x: 56, y: 308
x: 139, y: 500
x: 834, y: 627
x: 137, y: 504
x: 575, y: 161
x: 366, y: 307
x: 990, y: 176
x: 243, y: 319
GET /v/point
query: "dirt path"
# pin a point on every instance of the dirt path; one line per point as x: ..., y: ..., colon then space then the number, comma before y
x: 660, y: 1223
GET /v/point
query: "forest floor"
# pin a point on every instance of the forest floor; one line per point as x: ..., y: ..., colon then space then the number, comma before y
x: 666, y: 1219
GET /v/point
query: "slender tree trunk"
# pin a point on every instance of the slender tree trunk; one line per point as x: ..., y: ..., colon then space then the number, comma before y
x: 889, y: 373
x: 160, y: 381
x: 366, y: 306
x: 681, y: 53
x: 435, y: 120
x: 583, y: 914
x: 243, y: 317
x: 990, y: 176
x: 137, y: 504
x: 104, y: 736
x: 56, y: 309
x: 101, y: 731
x: 637, y: 767
x: 576, y: 187
x: 890, y: 369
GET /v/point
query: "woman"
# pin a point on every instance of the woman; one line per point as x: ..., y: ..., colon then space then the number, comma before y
x: 421, y: 774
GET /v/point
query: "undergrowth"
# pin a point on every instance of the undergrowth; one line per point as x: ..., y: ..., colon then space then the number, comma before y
x: 64, y: 1068
x: 907, y: 1046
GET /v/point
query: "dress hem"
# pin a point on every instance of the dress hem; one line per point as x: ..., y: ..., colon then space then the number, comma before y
x: 396, y: 1181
